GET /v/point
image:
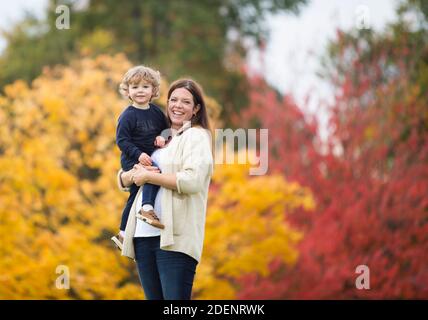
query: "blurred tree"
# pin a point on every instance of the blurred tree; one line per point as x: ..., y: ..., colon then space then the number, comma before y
x: 203, y: 39
x: 59, y: 204
x: 247, y: 233
x: 370, y: 181
x: 58, y: 198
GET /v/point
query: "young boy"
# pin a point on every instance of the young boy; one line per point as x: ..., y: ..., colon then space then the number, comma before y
x: 137, y: 134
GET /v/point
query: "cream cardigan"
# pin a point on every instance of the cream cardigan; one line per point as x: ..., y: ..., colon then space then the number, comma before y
x: 189, y: 156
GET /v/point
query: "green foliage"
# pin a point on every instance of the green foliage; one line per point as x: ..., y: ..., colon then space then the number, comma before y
x: 203, y: 39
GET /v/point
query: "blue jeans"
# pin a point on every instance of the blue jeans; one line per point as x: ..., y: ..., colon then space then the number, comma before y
x: 163, y: 274
x: 133, y: 190
x: 150, y: 191
x: 149, y: 196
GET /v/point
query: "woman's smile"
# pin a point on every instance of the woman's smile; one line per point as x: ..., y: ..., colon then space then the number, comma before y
x: 180, y: 106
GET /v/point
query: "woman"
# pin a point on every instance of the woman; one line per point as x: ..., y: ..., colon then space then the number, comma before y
x: 167, y: 259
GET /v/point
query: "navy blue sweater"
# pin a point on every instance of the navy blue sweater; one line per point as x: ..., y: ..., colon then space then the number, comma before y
x: 136, y: 132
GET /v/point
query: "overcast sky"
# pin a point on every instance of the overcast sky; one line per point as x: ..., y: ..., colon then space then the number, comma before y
x: 296, y: 42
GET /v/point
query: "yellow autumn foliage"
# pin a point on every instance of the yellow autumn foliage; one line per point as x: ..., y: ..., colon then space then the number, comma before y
x: 58, y: 200
x: 59, y: 204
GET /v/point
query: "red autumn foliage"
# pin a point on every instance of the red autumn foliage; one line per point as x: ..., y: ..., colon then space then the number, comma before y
x: 370, y: 185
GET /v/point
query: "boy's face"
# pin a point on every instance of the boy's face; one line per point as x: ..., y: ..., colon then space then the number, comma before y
x: 140, y: 93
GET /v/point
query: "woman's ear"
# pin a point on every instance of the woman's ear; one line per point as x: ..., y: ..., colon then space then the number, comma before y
x: 196, y: 109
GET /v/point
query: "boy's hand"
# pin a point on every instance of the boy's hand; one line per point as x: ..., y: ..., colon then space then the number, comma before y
x: 160, y: 141
x: 145, y: 159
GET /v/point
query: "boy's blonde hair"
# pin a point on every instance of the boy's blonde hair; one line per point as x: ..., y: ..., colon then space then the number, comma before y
x: 137, y: 74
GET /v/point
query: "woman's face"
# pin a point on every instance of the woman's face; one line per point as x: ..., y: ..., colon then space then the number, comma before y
x: 181, y: 107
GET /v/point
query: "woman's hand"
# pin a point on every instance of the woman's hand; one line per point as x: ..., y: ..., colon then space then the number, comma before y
x: 126, y: 177
x: 142, y: 173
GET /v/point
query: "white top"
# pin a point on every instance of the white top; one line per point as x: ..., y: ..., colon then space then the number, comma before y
x: 144, y: 229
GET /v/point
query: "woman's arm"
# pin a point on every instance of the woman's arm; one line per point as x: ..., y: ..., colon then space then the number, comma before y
x: 168, y: 181
x: 196, y: 161
x: 147, y: 174
x: 126, y: 177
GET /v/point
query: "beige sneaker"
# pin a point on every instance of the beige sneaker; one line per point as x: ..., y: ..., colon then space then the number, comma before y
x: 118, y: 241
x: 150, y: 217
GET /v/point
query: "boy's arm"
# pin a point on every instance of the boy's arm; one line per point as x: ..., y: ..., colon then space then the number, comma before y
x: 124, y: 141
x: 160, y: 141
